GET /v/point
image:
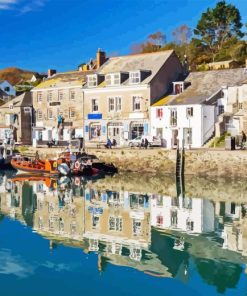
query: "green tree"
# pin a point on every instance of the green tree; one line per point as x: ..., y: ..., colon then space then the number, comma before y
x: 217, y: 25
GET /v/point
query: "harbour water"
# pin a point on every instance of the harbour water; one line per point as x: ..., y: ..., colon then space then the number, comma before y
x: 122, y: 236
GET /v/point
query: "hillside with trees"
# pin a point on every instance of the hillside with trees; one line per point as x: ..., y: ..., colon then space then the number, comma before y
x: 15, y: 75
x: 218, y: 36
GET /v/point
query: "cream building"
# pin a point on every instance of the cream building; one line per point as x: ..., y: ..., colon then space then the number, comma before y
x: 118, y: 96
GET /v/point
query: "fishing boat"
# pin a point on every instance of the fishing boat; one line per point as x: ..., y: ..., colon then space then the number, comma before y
x: 36, y: 166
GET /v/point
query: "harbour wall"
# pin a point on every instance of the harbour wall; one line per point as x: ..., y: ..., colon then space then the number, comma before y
x: 163, y: 162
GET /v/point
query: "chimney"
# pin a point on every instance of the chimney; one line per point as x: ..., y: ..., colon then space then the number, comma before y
x: 100, y: 58
x: 51, y: 72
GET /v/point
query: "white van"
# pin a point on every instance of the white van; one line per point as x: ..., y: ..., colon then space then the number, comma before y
x: 152, y: 141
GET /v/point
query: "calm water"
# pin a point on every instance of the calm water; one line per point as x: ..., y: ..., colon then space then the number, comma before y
x: 122, y: 235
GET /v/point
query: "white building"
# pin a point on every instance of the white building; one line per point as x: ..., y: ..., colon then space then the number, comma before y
x: 193, y: 215
x: 190, y: 112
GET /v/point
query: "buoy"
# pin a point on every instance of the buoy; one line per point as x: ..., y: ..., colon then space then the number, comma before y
x: 77, y: 165
x: 77, y: 181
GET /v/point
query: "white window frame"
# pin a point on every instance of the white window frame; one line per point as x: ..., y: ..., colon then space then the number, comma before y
x: 173, y: 119
x: 93, y: 105
x: 113, y: 79
x: 92, y: 80
x: 50, y: 112
x: 135, y: 77
x: 39, y: 115
x: 60, y: 95
x: 114, y: 104
x: 72, y: 113
x: 49, y: 96
x: 134, y: 104
x: 111, y: 104
x: 39, y: 96
x: 72, y: 94
x: 189, y: 112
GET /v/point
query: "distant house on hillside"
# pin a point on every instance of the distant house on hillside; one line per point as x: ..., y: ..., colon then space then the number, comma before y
x: 38, y: 77
x: 8, y: 91
x: 230, y: 64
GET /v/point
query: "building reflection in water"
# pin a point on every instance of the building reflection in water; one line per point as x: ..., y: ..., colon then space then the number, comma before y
x: 160, y: 235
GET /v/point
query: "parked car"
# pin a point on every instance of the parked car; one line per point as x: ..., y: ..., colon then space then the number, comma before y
x: 152, y: 141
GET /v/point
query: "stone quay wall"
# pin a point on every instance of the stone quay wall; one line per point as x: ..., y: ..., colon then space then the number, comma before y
x: 162, y: 162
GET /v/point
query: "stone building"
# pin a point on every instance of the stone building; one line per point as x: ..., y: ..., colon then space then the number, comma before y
x: 118, y: 96
x: 16, y: 119
x: 58, y: 103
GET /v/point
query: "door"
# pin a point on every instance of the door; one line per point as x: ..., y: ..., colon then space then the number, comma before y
x: 174, y: 138
x: 115, y: 131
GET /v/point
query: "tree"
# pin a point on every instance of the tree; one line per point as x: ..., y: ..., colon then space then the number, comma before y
x: 153, y: 43
x: 217, y: 25
x: 182, y: 34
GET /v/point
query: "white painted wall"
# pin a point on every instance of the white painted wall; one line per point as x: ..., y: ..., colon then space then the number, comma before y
x: 202, y: 123
x: 201, y: 213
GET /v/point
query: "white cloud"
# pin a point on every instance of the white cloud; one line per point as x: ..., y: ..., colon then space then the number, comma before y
x: 23, y: 6
x: 7, y: 4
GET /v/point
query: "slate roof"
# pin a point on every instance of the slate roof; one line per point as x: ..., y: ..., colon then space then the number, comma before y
x: 203, y: 85
x: 146, y: 61
x: 23, y: 100
x: 65, y: 79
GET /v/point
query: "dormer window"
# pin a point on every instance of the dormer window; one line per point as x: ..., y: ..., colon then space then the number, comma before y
x: 178, y: 87
x: 92, y: 80
x: 112, y: 79
x: 135, y: 77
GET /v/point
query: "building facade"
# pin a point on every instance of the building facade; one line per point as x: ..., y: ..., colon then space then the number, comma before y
x: 118, y: 96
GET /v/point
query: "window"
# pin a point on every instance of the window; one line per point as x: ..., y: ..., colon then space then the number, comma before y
x: 49, y: 114
x: 95, y: 221
x: 135, y: 77
x: 115, y: 104
x: 221, y: 109
x: 60, y: 95
x: 189, y: 225
x: 189, y: 112
x: 49, y: 96
x: 137, y: 227
x: 173, y: 117
x: 240, y: 106
x: 136, y: 103
x: 115, y: 223
x: 72, y: 94
x: 159, y: 112
x: 178, y: 88
x: 118, y: 103
x: 111, y: 104
x: 39, y: 115
x: 39, y: 97
x: 95, y: 105
x: 159, y: 220
x: 71, y: 113
x: 7, y: 88
x: 92, y: 80
x: 112, y: 79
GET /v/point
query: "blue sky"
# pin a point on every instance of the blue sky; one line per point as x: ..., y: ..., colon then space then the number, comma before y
x: 60, y: 34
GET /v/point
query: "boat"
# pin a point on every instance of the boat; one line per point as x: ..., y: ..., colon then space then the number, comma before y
x: 87, y: 164
x: 35, y: 166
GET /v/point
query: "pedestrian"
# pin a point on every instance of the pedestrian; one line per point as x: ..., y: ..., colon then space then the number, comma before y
x: 142, y: 143
x: 108, y: 144
x: 243, y: 140
x: 146, y: 143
